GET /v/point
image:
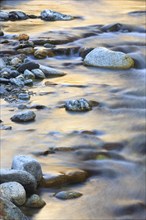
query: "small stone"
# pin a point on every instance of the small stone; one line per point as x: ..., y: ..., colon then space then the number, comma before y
x: 28, y: 74
x: 2, y: 64
x: 41, y: 53
x: 25, y: 116
x: 51, y: 72
x: 28, y: 82
x: 68, y: 195
x: 38, y: 74
x: 4, y: 16
x: 4, y: 81
x: 4, y: 127
x: 53, y: 179
x: 17, y: 82
x: 23, y: 37
x: 3, y: 90
x: 28, y: 164
x: 26, y: 51
x: 14, y: 73
x: 47, y: 45
x: 15, y: 61
x: 22, y: 106
x: 28, y: 66
x: 80, y: 105
x: 50, y: 15
x: 76, y: 176
x: 20, y: 77
x: 14, y: 192
x: 35, y: 202
x: 24, y: 96
x: 17, y: 15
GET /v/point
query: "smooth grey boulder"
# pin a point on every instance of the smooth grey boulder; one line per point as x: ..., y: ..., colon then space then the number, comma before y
x: 35, y: 201
x: 20, y: 176
x: 67, y: 195
x: 14, y: 192
x: 28, y: 74
x: 9, y: 211
x: 49, y: 15
x: 38, y: 74
x: 79, y: 105
x: 105, y: 58
x: 25, y: 116
x: 17, y: 15
x: 28, y: 66
x: 51, y: 72
x: 29, y: 164
x: 4, y: 16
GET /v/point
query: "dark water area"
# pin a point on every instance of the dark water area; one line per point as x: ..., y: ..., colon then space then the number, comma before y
x: 116, y: 188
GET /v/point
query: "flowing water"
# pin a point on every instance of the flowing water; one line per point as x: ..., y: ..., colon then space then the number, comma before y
x: 116, y: 190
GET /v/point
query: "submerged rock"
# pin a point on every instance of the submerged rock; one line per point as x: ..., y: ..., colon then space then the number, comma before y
x: 14, y: 192
x: 76, y: 176
x: 17, y: 15
x: 17, y: 82
x: 24, y: 116
x: 28, y: 66
x: 9, y: 211
x: 4, y: 16
x: 35, y: 202
x: 103, y: 57
x: 28, y: 74
x: 49, y: 15
x: 68, y: 195
x: 20, y: 176
x: 53, y: 179
x: 51, y: 72
x: 40, y: 53
x: 79, y: 105
x: 28, y: 164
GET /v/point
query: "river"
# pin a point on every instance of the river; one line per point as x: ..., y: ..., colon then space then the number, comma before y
x: 116, y: 188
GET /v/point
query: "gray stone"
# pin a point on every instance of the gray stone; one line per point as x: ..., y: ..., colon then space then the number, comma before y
x: 14, y: 192
x: 67, y: 195
x: 38, y: 74
x: 50, y: 15
x: 28, y: 82
x: 17, y: 15
x: 28, y: 74
x: 2, y: 64
x: 9, y: 211
x: 105, y: 58
x: 24, y: 96
x: 20, y: 176
x: 4, y: 127
x: 4, y: 16
x: 26, y: 51
x: 14, y: 73
x: 79, y: 105
x: 28, y: 66
x: 51, y: 72
x: 17, y: 82
x: 15, y: 61
x: 28, y: 164
x: 53, y: 179
x: 25, y: 116
x: 3, y: 90
x: 21, y: 77
x: 35, y: 202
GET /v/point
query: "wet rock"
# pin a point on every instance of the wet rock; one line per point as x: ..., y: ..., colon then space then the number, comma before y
x: 24, y: 96
x: 68, y: 195
x: 29, y: 164
x: 22, y: 106
x: 41, y: 42
x: 14, y: 73
x: 14, y: 192
x: 33, y: 16
x: 105, y: 58
x: 3, y: 90
x: 2, y: 64
x: 28, y: 74
x: 37, y: 106
x: 51, y: 72
x: 17, y: 15
x: 26, y: 51
x: 4, y: 81
x: 41, y: 53
x: 76, y: 176
x: 4, y: 16
x: 38, y: 74
x: 49, y: 15
x: 35, y: 202
x: 53, y: 179
x: 20, y: 77
x: 28, y: 82
x: 112, y: 27
x: 9, y: 211
x: 79, y: 105
x: 25, y: 116
x: 15, y: 61
x: 20, y: 176
x: 28, y: 66
x: 47, y: 45
x: 23, y: 37
x: 17, y: 82
x: 4, y: 127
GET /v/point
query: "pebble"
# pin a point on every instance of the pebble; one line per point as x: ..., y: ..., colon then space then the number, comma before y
x: 29, y: 164
x: 17, y: 82
x: 4, y: 16
x: 14, y: 73
x: 53, y: 179
x: 4, y: 81
x: 49, y: 15
x: 28, y: 66
x: 64, y: 195
x: 28, y: 82
x: 17, y: 15
x: 79, y: 105
x: 14, y: 192
x: 28, y: 74
x: 38, y: 74
x: 40, y: 53
x: 76, y: 176
x: 2, y: 64
x: 26, y: 51
x: 51, y: 72
x: 23, y: 37
x: 15, y: 61
x: 35, y: 201
x: 24, y: 96
x: 4, y: 127
x: 25, y: 116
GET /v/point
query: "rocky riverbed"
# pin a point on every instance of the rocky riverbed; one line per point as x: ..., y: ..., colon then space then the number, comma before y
x: 73, y: 110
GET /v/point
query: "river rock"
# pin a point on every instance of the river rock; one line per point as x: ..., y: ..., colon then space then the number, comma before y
x: 24, y: 96
x: 49, y: 15
x: 35, y: 201
x: 41, y: 53
x: 4, y: 16
x: 53, y: 179
x: 76, y: 176
x: 2, y: 64
x: 1, y: 33
x: 9, y: 211
x: 28, y: 82
x: 26, y: 51
x: 28, y: 164
x: 17, y: 82
x: 79, y: 105
x: 28, y: 66
x: 20, y: 176
x: 5, y: 127
x: 103, y: 57
x: 25, y: 116
x: 38, y: 74
x: 28, y: 74
x: 51, y: 72
x: 67, y: 195
x: 4, y: 81
x: 23, y: 37
x: 13, y: 73
x: 14, y: 192
x: 15, y: 61
x: 17, y: 15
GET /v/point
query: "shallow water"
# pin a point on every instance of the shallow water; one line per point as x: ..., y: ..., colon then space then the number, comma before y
x: 116, y: 188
